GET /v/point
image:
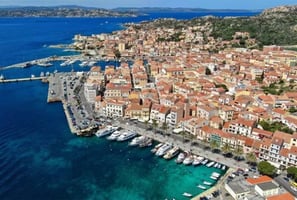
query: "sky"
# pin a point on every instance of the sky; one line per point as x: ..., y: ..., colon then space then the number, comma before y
x: 208, y: 4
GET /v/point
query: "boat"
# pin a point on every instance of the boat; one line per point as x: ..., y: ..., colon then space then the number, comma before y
x: 223, y: 167
x: 1, y: 77
x: 201, y: 187
x: 146, y: 143
x: 210, y: 164
x: 171, y: 153
x: 137, y: 140
x: 219, y: 166
x: 84, y: 63
x: 187, y: 194
x: 188, y: 160
x: 180, y: 158
x: 207, y: 183
x: 163, y: 149
x: 214, y: 178
x: 155, y: 149
x: 114, y: 135
x: 126, y: 136
x: 216, y: 165
x: 204, y: 161
x: 104, y: 132
x: 197, y: 160
x: 216, y: 174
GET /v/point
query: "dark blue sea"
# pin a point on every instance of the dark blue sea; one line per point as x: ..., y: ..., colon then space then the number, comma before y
x: 41, y: 159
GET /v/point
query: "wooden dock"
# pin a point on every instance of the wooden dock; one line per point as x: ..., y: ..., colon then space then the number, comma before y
x: 21, y: 79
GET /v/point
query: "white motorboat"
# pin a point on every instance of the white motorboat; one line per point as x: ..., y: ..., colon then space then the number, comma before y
x: 114, y: 135
x: 186, y: 194
x: 171, y: 153
x: 126, y: 136
x: 146, y: 143
x: 197, y: 160
x: 137, y: 140
x: 163, y: 149
x: 155, y: 149
x: 210, y: 164
x: 207, y: 183
x: 188, y: 160
x: 204, y: 161
x: 201, y: 187
x: 180, y: 158
x: 223, y: 167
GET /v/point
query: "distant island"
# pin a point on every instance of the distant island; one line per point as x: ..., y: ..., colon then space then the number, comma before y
x: 79, y: 11
x: 62, y: 11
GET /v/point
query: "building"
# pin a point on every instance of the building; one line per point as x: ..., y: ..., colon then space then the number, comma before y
x: 267, y: 189
x: 237, y: 190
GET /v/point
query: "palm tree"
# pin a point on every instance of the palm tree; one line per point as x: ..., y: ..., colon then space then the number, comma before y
x: 226, y: 148
x: 155, y: 124
x: 251, y: 158
x: 165, y: 127
x: 214, y: 144
x: 238, y: 151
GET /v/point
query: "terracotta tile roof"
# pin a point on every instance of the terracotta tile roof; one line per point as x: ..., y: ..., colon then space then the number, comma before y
x: 285, y: 136
x: 264, y: 133
x: 284, y: 196
x: 261, y: 179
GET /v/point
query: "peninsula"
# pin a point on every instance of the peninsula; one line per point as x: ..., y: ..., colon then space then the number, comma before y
x: 62, y: 11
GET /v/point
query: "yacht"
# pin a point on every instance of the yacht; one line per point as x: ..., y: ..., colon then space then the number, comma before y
x: 216, y: 165
x: 188, y: 160
x: 223, y: 167
x: 126, y: 136
x: 155, y: 149
x: 210, y: 164
x: 180, y: 158
x: 146, y: 143
x: 197, y: 160
x: 163, y: 149
x: 114, y: 135
x: 137, y: 140
x: 171, y: 153
x: 104, y: 132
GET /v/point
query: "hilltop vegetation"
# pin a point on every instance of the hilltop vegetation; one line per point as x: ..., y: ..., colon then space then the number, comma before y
x: 276, y: 26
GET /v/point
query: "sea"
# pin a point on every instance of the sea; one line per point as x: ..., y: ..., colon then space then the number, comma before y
x: 41, y: 159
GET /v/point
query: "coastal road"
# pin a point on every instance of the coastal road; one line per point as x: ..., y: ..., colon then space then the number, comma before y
x: 285, y: 184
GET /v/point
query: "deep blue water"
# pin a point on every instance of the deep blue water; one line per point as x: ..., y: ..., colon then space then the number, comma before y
x: 41, y: 159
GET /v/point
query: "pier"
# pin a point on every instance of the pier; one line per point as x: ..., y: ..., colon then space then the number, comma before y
x: 21, y: 79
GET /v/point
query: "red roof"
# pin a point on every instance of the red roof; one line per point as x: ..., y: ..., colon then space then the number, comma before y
x: 286, y: 196
x: 261, y: 179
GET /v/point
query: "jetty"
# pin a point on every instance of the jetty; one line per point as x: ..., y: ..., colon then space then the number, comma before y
x: 21, y: 79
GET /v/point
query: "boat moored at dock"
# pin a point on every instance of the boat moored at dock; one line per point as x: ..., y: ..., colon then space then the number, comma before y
x: 137, y: 140
x: 114, y: 135
x: 126, y: 136
x: 171, y: 153
x: 180, y: 158
x: 163, y: 149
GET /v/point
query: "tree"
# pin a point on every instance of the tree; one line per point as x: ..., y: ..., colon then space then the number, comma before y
x: 226, y: 148
x: 266, y: 168
x: 207, y: 71
x: 251, y: 158
x: 292, y: 172
x: 165, y: 127
x: 214, y: 144
x: 238, y: 151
